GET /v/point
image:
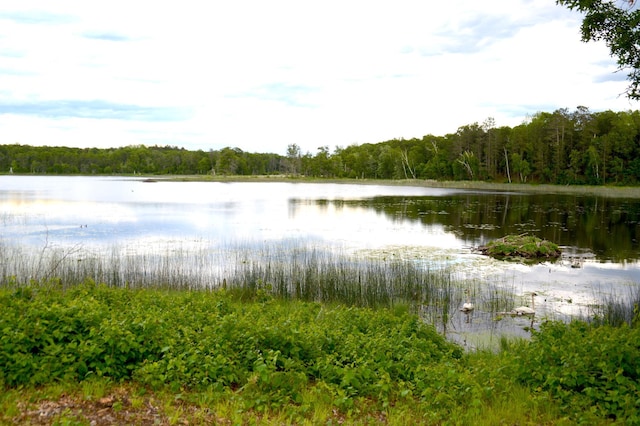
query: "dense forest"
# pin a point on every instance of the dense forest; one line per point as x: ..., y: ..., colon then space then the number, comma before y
x: 562, y: 147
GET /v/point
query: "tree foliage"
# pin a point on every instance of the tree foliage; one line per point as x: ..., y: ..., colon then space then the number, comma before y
x: 563, y: 147
x: 618, y: 25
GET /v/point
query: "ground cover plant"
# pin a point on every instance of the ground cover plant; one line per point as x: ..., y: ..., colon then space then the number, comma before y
x: 165, y: 356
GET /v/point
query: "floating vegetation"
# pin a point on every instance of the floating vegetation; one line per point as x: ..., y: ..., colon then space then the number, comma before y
x: 482, y: 226
x: 523, y: 246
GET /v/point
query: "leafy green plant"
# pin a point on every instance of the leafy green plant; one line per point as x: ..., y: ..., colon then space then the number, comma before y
x: 207, y: 339
x: 589, y: 368
x: 267, y: 356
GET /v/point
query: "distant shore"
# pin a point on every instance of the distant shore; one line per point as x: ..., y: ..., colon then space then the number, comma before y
x: 586, y: 190
x: 591, y: 190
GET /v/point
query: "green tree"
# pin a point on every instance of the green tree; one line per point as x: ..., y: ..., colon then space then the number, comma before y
x: 618, y: 25
x: 491, y: 153
x: 593, y: 165
x: 231, y: 162
x: 520, y: 166
x: 293, y: 158
x: 322, y: 164
x: 387, y: 162
x: 575, y: 166
x: 437, y: 166
x: 204, y: 165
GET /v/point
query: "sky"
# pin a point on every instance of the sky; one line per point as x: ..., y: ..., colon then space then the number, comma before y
x: 262, y: 75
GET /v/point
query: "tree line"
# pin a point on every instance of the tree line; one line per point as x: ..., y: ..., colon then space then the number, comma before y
x: 561, y: 147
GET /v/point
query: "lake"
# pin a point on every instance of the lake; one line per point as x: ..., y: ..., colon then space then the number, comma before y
x: 434, y: 228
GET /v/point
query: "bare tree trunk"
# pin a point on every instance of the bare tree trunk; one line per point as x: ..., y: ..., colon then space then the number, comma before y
x: 405, y: 160
x: 506, y: 157
x: 465, y: 160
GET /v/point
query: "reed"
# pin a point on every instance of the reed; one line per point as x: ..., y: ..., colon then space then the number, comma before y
x: 317, y: 275
x: 289, y: 271
x: 286, y: 272
x: 617, y: 310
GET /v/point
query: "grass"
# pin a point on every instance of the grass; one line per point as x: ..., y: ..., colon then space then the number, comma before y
x: 619, y: 310
x: 288, y: 272
x: 128, y: 403
x: 211, y: 356
x: 521, y: 247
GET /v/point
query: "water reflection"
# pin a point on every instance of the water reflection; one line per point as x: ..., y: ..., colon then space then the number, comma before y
x: 606, y: 227
x: 129, y: 210
x: 361, y: 216
x: 365, y: 216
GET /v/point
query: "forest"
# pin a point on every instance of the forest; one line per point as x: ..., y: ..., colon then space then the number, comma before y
x: 560, y: 147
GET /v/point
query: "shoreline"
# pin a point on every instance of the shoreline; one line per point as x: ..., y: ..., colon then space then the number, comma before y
x: 587, y: 190
x: 609, y: 191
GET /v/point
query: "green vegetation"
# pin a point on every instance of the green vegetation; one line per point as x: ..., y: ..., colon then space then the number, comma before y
x: 561, y: 147
x: 220, y: 356
x: 618, y: 310
x: 617, y: 25
x: 289, y: 273
x: 522, y: 246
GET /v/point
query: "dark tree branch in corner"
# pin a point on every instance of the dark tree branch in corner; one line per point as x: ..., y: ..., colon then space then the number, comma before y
x: 619, y: 27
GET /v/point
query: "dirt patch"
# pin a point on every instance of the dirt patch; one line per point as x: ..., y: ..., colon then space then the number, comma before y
x: 118, y: 407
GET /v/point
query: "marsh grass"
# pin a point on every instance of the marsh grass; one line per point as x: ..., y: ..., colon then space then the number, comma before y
x: 617, y: 310
x: 287, y: 272
x: 499, y: 298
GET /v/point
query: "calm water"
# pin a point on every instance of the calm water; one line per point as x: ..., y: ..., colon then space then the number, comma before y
x: 436, y: 226
x: 103, y: 211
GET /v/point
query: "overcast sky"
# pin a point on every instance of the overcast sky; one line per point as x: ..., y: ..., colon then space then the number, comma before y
x: 260, y: 75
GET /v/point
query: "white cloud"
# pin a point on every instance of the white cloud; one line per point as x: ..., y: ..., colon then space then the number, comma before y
x: 262, y: 75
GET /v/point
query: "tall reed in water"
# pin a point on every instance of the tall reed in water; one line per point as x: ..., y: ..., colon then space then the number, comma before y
x: 617, y: 310
x: 287, y: 272
x: 316, y: 275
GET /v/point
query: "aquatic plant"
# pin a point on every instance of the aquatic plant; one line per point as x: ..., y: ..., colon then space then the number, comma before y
x: 287, y: 272
x: 617, y: 310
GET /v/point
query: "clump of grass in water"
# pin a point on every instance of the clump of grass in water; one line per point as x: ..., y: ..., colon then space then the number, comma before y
x: 616, y: 311
x: 175, y: 269
x: 314, y: 275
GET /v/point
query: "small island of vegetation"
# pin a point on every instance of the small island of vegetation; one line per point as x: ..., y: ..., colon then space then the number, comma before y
x: 522, y: 246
